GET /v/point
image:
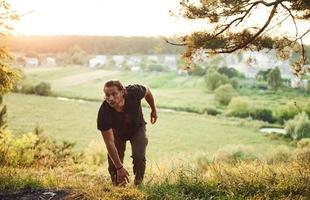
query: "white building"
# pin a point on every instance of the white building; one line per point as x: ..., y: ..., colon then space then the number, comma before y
x: 32, y: 62
x: 170, y: 61
x: 97, y: 61
x: 299, y: 83
x: 50, y: 62
x: 118, y: 60
x: 134, y: 61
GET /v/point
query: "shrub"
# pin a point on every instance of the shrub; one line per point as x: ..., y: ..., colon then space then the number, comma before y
x: 286, y: 112
x: 33, y: 149
x: 233, y: 154
x: 42, y: 89
x: 263, y: 114
x: 299, y: 127
x: 27, y: 89
x: 214, y: 79
x: 280, y: 154
x: 95, y: 154
x: 239, y: 107
x: 212, y: 111
x: 304, y: 143
x: 234, y: 82
x: 224, y: 94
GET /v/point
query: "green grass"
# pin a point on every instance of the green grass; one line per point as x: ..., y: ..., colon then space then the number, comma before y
x: 178, y: 134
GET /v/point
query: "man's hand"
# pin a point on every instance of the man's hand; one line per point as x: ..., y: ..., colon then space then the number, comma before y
x: 122, y: 176
x: 153, y: 117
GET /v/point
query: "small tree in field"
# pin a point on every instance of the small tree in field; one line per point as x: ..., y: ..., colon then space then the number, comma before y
x: 274, y: 79
x: 224, y: 94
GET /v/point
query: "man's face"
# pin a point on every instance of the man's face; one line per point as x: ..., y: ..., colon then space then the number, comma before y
x: 113, y: 96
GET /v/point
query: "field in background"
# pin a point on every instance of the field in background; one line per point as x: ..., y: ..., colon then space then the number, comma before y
x: 181, y: 92
x: 180, y: 134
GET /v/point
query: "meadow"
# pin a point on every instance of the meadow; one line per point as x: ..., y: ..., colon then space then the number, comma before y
x: 191, y: 155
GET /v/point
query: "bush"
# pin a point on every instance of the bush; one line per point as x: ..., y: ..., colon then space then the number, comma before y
x: 233, y: 154
x: 33, y: 149
x: 304, y: 143
x: 212, y: 111
x: 27, y: 89
x: 299, y: 127
x: 234, y: 82
x: 42, y: 89
x: 286, y: 112
x: 224, y: 94
x: 263, y: 114
x: 214, y: 79
x: 95, y: 154
x: 238, y: 107
x: 280, y: 154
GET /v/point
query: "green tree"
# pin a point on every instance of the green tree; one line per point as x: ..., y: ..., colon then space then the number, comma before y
x: 224, y: 94
x: 274, y: 79
x: 8, y: 76
x: 214, y: 79
x: 233, y: 28
x: 3, y: 115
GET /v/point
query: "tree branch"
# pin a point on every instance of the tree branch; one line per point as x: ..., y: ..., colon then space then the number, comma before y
x: 272, y: 13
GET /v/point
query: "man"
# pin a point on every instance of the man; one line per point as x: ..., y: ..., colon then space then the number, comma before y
x: 120, y: 119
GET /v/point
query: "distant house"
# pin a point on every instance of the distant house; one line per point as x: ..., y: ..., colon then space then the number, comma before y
x: 50, y: 62
x: 32, y: 62
x: 135, y: 69
x: 299, y: 83
x: 118, y: 60
x: 134, y: 61
x: 170, y: 61
x: 152, y: 59
x: 97, y: 61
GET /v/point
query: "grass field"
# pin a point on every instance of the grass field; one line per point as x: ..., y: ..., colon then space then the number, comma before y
x: 171, y: 90
x: 177, y: 134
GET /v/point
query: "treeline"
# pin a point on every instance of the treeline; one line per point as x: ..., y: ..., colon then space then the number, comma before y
x: 90, y: 44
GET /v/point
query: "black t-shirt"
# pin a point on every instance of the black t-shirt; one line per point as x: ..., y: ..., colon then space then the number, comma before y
x: 126, y: 123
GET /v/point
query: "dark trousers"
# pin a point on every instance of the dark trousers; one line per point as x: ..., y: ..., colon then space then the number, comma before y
x: 138, y: 142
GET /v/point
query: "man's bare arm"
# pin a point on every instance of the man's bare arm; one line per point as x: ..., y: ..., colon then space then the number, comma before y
x: 108, y: 138
x: 112, y: 151
x: 150, y: 100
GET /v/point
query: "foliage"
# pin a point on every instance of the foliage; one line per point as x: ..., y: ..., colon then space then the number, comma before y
x: 303, y: 143
x: 232, y: 29
x: 262, y: 75
x: 3, y: 115
x: 239, y: 107
x: 274, y: 79
x: 230, y: 72
x: 214, y: 79
x: 234, y: 83
x: 212, y: 111
x: 286, y: 112
x: 33, y: 149
x: 233, y: 154
x: 263, y: 114
x: 281, y: 154
x: 299, y: 127
x: 42, y: 89
x: 224, y: 94
x: 9, y: 76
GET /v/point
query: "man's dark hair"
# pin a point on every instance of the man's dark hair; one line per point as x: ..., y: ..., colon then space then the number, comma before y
x: 117, y: 84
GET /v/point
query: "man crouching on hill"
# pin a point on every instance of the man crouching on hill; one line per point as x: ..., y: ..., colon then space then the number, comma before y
x: 120, y: 119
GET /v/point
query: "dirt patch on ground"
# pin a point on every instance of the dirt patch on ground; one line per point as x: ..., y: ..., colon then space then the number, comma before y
x: 38, y: 194
x: 82, y: 78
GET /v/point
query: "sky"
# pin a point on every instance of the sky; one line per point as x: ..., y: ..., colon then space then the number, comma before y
x: 109, y: 17
x: 99, y: 17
